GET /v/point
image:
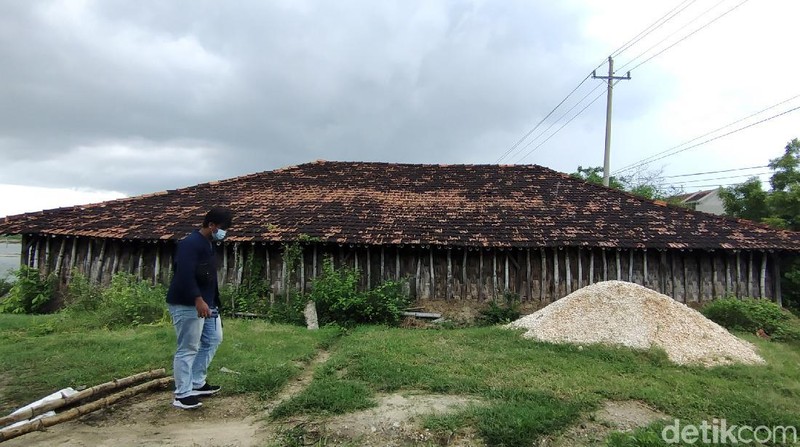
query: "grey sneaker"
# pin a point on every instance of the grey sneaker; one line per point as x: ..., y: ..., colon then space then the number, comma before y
x: 205, y: 390
x: 187, y: 403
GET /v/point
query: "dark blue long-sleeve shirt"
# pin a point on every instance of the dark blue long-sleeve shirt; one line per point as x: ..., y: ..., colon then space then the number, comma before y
x: 194, y: 272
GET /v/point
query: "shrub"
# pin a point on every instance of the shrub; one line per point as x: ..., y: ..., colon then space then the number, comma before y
x: 5, y: 286
x: 495, y: 314
x: 336, y: 295
x: 750, y: 315
x: 127, y: 301
x: 29, y: 294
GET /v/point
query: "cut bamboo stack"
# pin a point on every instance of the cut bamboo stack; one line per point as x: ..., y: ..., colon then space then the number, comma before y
x: 154, y: 379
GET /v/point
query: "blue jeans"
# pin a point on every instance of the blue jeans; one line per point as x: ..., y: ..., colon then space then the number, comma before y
x: 198, y: 339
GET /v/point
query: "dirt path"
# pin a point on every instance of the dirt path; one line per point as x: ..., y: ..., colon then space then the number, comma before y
x: 151, y: 420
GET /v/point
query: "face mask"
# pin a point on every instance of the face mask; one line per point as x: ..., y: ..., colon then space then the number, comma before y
x: 219, y: 234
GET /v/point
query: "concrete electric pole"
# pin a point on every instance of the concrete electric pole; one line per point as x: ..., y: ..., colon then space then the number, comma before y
x: 611, y: 78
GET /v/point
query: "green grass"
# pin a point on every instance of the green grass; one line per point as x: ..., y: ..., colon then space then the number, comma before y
x: 526, y: 390
x: 38, y: 359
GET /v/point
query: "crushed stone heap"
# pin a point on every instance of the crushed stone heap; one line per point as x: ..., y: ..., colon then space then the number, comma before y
x: 627, y: 314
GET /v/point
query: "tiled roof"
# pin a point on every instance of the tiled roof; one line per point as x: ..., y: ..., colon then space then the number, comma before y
x: 383, y: 203
x: 695, y: 196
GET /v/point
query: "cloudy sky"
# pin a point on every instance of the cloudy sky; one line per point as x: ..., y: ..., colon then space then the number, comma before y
x: 103, y: 99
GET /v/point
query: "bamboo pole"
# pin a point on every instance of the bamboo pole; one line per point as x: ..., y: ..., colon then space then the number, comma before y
x: 619, y: 267
x: 644, y: 262
x: 591, y: 266
x: 763, y: 282
x: 115, y: 260
x: 750, y: 274
x: 39, y: 424
x: 713, y: 275
x: 138, y: 265
x: 100, y: 262
x: 727, y: 260
x: 738, y: 274
x: 87, y: 263
x: 46, y: 256
x: 605, y: 265
x: 93, y: 391
x: 73, y: 253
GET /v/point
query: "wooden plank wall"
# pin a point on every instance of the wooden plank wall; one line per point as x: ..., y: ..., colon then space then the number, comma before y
x: 539, y: 275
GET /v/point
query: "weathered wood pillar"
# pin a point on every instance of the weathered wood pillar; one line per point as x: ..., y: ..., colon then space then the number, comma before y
x: 140, y: 263
x: 556, y: 279
x: 449, y: 287
x: 60, y: 258
x: 73, y: 253
x: 662, y: 271
x: 464, y: 286
x: 157, y: 267
x: 763, y: 282
x: 480, y: 274
x: 24, y: 250
x: 369, y: 267
x: 713, y: 275
x: 630, y: 265
x: 433, y: 280
x: 605, y: 265
x: 417, y: 281
x: 284, y: 272
x: 750, y: 274
x: 619, y: 267
x: 397, y: 264
x: 494, y: 274
x: 591, y: 266
x: 115, y: 259
x: 672, y: 270
x: 87, y: 263
x: 776, y: 271
x: 738, y: 274
x: 505, y: 276
x: 528, y: 272
x: 98, y: 269
x: 644, y: 266
x: 302, y: 269
x: 543, y: 280
x: 580, y: 268
x: 727, y: 259
x: 685, y: 279
x: 314, y: 262
x: 569, y: 274
x: 382, y: 265
x: 46, y: 269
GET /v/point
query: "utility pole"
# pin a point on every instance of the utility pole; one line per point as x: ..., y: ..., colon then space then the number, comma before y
x: 611, y: 78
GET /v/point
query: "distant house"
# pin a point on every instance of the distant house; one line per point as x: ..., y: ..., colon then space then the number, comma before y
x: 464, y: 233
x: 707, y: 201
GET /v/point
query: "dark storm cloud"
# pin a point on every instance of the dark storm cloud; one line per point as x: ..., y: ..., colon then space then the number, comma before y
x: 142, y: 96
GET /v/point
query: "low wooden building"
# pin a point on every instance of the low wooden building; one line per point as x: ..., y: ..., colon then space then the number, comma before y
x: 454, y: 232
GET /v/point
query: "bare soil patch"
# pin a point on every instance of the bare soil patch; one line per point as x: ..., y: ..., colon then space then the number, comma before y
x: 613, y: 416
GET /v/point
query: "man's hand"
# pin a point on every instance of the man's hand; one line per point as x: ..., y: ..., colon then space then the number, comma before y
x: 202, y: 308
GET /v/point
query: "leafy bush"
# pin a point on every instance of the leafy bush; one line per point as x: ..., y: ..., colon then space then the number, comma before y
x: 495, y: 314
x: 127, y: 301
x: 29, y: 294
x: 750, y: 315
x: 336, y: 295
x: 5, y: 286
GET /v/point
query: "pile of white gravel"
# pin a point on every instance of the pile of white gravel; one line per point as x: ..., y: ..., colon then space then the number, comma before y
x: 627, y: 314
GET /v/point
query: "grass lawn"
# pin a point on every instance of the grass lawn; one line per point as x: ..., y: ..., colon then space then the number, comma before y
x: 528, y: 389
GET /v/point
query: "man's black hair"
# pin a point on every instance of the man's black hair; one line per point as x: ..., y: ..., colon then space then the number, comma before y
x: 219, y: 216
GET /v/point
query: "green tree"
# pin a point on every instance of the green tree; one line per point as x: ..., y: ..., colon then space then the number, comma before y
x: 595, y: 175
x: 643, y: 183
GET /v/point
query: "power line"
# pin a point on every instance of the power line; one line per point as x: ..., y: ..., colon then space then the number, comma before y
x: 653, y: 157
x: 726, y: 134
x: 690, y: 34
x: 717, y: 185
x: 717, y: 178
x: 511, y: 149
x: 654, y: 26
x: 715, y: 172
x: 564, y: 125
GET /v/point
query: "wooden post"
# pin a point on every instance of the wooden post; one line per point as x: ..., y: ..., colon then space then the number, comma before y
x: 685, y: 279
x: 397, y: 264
x: 672, y: 274
x: 417, y: 281
x: 480, y: 274
x: 568, y: 270
x: 644, y: 262
x: 591, y: 266
x: 662, y: 269
x: 750, y: 274
x: 140, y: 263
x: 505, y: 283
x: 494, y: 274
x: 73, y: 253
x: 605, y: 265
x: 87, y: 263
x: 269, y: 270
x: 23, y: 253
x: 619, y: 267
x: 763, y: 282
x: 713, y: 275
x: 449, y: 291
x: 544, y: 274
x: 60, y: 258
x: 101, y: 259
x: 46, y: 256
x: 158, y: 264
x: 630, y: 265
x: 314, y: 262
x: 776, y: 271
x: 738, y: 273
x: 284, y: 272
x: 699, y: 260
x: 727, y: 259
x: 369, y: 267
x: 433, y: 280
x: 556, y: 279
x: 528, y: 272
x: 239, y: 261
x: 464, y: 287
x: 302, y: 270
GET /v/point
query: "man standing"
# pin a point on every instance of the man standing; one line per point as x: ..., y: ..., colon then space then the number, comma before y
x: 193, y: 300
